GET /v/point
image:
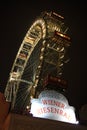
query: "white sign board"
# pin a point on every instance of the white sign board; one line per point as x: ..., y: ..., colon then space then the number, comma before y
x: 53, y: 105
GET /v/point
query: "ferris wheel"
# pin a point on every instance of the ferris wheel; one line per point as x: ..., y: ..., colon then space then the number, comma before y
x: 42, y: 51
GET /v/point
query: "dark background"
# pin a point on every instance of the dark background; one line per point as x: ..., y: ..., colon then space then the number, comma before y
x: 15, y: 20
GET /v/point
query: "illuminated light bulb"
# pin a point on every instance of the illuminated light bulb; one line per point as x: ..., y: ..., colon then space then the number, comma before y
x: 41, y: 57
x: 60, y: 73
x: 59, y: 80
x: 27, y: 107
x: 34, y: 86
x: 62, y: 49
x: 31, y: 97
x: 12, y: 79
x: 62, y: 56
x: 48, y: 26
x: 42, y: 49
x: 39, y: 66
x: 61, y: 64
x: 37, y: 76
x: 44, y: 41
x: 58, y: 48
x: 48, y: 45
x: 58, y: 29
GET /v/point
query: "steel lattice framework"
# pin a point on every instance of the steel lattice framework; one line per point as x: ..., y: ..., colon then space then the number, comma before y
x: 43, y: 51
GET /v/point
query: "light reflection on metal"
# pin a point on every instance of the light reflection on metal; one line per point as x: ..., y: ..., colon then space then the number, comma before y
x: 58, y: 15
x: 63, y: 35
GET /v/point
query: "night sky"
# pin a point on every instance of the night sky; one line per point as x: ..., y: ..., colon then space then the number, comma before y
x: 15, y: 20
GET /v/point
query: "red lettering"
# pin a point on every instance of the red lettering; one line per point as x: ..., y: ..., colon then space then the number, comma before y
x: 53, y: 102
x: 53, y: 110
x: 48, y: 109
x: 65, y: 114
x: 62, y: 105
x: 49, y: 102
x: 61, y: 112
x: 44, y: 102
x: 45, y: 109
